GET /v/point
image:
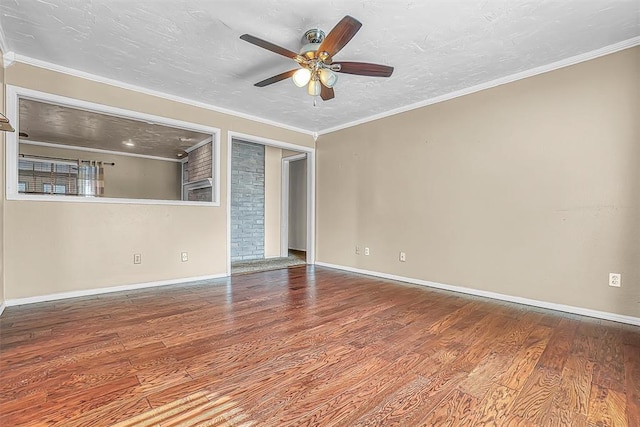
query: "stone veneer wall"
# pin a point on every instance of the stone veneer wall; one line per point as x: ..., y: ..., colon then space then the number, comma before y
x: 247, y: 201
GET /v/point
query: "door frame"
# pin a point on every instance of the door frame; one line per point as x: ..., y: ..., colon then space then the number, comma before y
x: 310, y: 154
x: 284, y: 196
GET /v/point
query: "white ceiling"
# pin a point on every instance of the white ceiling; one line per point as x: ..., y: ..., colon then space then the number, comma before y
x: 191, y: 48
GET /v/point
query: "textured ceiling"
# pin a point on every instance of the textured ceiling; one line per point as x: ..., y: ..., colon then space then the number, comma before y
x: 191, y: 48
x: 56, y: 124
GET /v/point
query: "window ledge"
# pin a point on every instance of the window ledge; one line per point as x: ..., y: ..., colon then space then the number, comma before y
x: 82, y: 199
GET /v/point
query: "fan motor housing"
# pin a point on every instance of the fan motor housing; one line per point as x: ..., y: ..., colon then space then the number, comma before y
x: 311, y: 42
x: 313, y: 35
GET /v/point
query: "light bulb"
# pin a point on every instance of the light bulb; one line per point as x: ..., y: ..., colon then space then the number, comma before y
x: 328, y: 77
x: 314, y: 88
x: 301, y: 77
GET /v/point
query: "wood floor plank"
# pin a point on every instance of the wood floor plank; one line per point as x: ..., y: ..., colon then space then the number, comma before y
x: 606, y: 407
x: 8, y: 407
x: 575, y: 385
x: 526, y: 359
x: 60, y: 410
x: 537, y: 394
x: 483, y: 376
x: 111, y: 413
x: 456, y: 409
x: 557, y: 350
x: 311, y: 346
x: 632, y: 378
x: 350, y: 403
x: 495, y: 406
x: 294, y: 408
x: 609, y: 369
x: 397, y: 405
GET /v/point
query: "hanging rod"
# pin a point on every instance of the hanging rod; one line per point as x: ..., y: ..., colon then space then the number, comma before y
x: 74, y: 161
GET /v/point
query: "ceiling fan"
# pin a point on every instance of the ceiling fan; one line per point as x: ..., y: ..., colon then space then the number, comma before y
x: 317, y: 69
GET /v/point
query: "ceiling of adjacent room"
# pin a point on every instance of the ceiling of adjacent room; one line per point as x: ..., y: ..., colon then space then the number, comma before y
x: 191, y: 48
x: 56, y: 124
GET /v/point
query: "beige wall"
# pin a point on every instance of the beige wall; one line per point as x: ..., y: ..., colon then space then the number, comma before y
x: 272, y: 200
x: 288, y: 153
x: 130, y: 177
x: 530, y: 189
x: 56, y: 247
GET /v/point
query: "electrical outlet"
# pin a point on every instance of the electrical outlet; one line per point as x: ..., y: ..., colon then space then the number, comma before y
x: 615, y: 279
x: 137, y: 258
x: 185, y: 256
x: 366, y: 251
x: 403, y: 257
x: 357, y: 250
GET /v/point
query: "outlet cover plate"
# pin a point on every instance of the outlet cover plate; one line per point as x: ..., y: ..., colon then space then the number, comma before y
x: 615, y: 280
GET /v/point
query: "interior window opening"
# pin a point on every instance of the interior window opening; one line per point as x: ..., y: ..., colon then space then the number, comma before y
x: 70, y: 152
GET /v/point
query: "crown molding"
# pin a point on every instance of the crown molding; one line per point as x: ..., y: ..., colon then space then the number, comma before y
x: 8, y: 58
x: 117, y: 83
x: 626, y: 44
x: 11, y: 57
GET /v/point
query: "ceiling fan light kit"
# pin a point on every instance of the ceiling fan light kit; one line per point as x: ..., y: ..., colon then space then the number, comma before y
x: 317, y: 70
x: 314, y: 88
x: 328, y: 77
x: 301, y: 77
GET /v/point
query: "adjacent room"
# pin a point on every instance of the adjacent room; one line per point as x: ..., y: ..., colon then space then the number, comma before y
x: 287, y: 213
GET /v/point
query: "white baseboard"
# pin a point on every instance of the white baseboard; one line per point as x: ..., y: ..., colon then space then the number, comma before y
x: 494, y: 295
x: 297, y: 249
x: 98, y: 291
x: 2, y: 307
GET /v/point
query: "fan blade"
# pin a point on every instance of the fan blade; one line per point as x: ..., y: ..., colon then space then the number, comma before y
x: 340, y: 35
x: 270, y: 46
x: 364, y: 69
x: 276, y: 79
x: 326, y: 93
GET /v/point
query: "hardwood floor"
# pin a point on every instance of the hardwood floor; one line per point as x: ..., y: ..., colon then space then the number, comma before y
x: 312, y: 346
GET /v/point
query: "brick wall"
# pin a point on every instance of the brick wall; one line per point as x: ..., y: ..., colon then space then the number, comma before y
x: 199, y: 167
x: 199, y: 195
x: 247, y: 201
x: 200, y: 163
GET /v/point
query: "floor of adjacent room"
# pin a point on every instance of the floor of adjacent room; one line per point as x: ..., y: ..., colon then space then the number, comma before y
x: 312, y: 346
x: 295, y: 258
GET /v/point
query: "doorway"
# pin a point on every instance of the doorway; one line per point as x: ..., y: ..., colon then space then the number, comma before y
x: 293, y: 240
x: 270, y: 209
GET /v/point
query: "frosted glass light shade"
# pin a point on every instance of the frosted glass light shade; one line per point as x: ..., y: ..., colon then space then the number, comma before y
x: 328, y: 77
x: 301, y: 77
x: 314, y: 88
